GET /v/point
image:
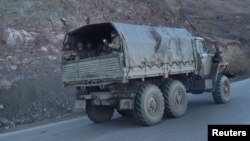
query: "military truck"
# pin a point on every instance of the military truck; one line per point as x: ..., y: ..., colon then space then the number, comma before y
x: 148, y: 78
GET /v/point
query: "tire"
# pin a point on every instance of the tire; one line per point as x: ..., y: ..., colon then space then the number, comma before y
x: 149, y: 105
x: 127, y: 113
x: 99, y: 114
x: 221, y: 93
x: 175, y: 98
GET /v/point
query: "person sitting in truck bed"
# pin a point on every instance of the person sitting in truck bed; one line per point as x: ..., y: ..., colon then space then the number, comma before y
x: 81, y: 53
x: 115, y: 44
x: 68, y: 53
x: 101, y: 49
x: 86, y: 51
x: 90, y: 50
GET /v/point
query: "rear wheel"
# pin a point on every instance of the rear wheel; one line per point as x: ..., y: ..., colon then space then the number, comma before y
x: 221, y: 93
x: 99, y: 114
x: 149, y: 105
x: 175, y: 98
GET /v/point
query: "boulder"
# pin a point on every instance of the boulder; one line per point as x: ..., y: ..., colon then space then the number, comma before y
x: 17, y: 38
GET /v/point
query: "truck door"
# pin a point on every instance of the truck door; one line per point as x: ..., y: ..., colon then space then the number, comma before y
x: 205, y: 58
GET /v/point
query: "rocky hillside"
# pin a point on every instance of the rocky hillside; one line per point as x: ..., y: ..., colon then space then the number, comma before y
x: 31, y: 34
x: 227, y: 21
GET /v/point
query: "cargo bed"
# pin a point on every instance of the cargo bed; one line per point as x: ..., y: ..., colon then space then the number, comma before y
x: 93, y: 70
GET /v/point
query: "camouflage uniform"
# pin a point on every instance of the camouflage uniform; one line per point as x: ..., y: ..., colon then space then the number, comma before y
x: 81, y: 54
x: 91, y: 53
x: 69, y: 55
x: 115, y: 45
x: 84, y: 52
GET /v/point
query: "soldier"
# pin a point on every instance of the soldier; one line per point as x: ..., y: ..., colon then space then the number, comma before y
x: 68, y: 53
x: 115, y: 44
x: 100, y: 50
x: 90, y: 51
x: 81, y: 52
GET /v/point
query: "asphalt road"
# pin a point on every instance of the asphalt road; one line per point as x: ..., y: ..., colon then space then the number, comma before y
x: 192, y: 127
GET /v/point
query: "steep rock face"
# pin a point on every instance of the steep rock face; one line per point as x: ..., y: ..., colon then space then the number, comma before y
x: 31, y: 35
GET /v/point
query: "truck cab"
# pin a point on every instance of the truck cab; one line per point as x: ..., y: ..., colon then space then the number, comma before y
x: 204, y: 56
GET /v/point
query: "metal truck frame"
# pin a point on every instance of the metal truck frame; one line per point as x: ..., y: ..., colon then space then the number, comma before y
x: 149, y: 77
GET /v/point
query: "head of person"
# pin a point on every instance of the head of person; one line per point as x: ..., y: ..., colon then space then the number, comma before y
x: 79, y: 46
x: 113, y: 34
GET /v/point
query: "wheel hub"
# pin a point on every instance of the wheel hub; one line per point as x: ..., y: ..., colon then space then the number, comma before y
x: 226, y: 89
x: 178, y: 98
x: 152, y: 105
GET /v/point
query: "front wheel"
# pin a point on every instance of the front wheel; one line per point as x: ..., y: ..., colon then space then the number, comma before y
x: 221, y: 93
x: 99, y: 114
